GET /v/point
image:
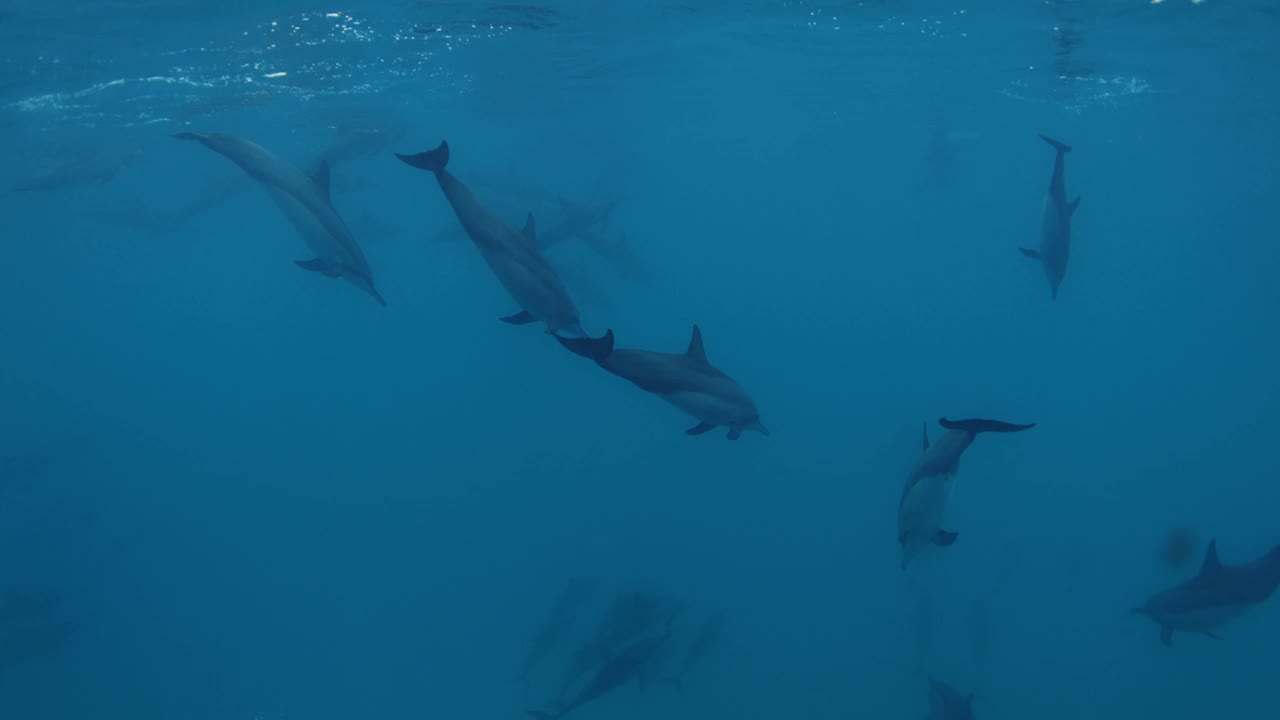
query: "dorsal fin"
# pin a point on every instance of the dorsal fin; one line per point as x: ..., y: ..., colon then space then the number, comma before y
x: 321, y: 178
x: 527, y: 232
x: 925, y: 435
x: 696, y: 351
x: 1211, y: 563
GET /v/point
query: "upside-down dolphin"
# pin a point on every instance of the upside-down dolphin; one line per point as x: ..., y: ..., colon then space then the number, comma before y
x: 686, y: 380
x: 513, y: 256
x: 1055, y: 225
x: 927, y: 491
x: 305, y: 202
x: 1219, y: 594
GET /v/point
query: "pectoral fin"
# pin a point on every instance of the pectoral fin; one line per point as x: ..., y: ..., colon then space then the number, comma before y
x: 521, y: 318
x: 1212, y: 635
x: 1166, y: 635
x: 942, y: 538
x: 735, y: 432
x: 1033, y: 254
x: 321, y: 266
x: 1071, y: 209
x: 699, y: 429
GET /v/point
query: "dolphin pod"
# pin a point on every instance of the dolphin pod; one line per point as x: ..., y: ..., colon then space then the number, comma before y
x: 927, y: 491
x: 305, y: 202
x: 686, y: 380
x: 1218, y: 594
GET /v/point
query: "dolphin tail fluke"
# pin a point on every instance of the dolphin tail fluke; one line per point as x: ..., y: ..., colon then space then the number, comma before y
x: 978, y: 425
x: 1059, y: 146
x: 594, y: 348
x: 1033, y: 254
x: 431, y: 160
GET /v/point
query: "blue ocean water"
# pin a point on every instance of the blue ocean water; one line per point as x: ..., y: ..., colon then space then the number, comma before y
x: 234, y: 489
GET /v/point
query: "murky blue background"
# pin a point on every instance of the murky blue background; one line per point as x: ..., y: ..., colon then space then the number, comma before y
x: 248, y: 492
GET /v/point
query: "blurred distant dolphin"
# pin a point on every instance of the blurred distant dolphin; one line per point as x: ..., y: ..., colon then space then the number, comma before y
x: 305, y: 202
x: 947, y: 703
x: 922, y: 508
x: 1219, y: 594
x: 82, y: 167
x: 630, y: 662
x: 513, y: 256
x: 686, y: 380
x: 1055, y: 226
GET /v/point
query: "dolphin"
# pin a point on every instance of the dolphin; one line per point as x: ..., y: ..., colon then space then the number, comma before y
x: 631, y: 661
x: 686, y: 380
x: 78, y: 167
x: 305, y: 202
x: 552, y: 631
x: 922, y: 508
x: 628, y: 616
x: 1055, y: 226
x: 709, y: 636
x: 947, y: 703
x: 513, y: 256
x: 1219, y: 594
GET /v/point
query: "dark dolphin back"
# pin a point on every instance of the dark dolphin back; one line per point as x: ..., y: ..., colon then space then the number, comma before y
x: 978, y: 425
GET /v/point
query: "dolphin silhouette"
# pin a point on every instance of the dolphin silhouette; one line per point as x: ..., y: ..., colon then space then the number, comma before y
x: 631, y: 661
x: 686, y: 380
x: 305, y: 202
x: 1214, y: 597
x: 513, y: 256
x: 1055, y: 225
x: 947, y: 703
x: 927, y: 491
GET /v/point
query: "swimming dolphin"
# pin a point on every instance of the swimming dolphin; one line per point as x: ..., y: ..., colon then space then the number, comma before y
x: 1055, y: 226
x: 947, y: 703
x: 922, y: 508
x: 686, y: 380
x: 709, y: 636
x: 1219, y: 594
x: 305, y: 202
x: 552, y: 631
x: 631, y: 661
x: 627, y: 617
x: 81, y: 166
x: 513, y: 256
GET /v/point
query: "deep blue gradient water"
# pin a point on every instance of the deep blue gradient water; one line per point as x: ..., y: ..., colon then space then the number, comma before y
x: 232, y: 489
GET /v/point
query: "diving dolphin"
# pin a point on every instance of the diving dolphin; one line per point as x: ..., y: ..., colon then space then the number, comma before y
x: 686, y: 380
x: 552, y: 631
x: 513, y: 256
x: 1055, y: 226
x: 627, y: 617
x: 305, y: 202
x: 922, y: 508
x: 947, y: 703
x: 1217, y: 595
x: 631, y: 661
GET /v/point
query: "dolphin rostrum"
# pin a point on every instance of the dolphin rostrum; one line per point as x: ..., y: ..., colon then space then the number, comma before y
x: 922, y: 508
x: 305, y: 202
x: 686, y: 380
x: 513, y: 256
x: 1216, y: 596
x: 1055, y: 226
x: 947, y: 703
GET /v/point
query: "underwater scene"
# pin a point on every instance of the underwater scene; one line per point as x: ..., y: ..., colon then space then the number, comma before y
x: 622, y: 359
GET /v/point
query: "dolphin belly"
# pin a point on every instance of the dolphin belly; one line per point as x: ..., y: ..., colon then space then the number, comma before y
x: 534, y: 288
x: 705, y: 406
x: 318, y: 239
x: 921, y: 514
x: 1202, y: 619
